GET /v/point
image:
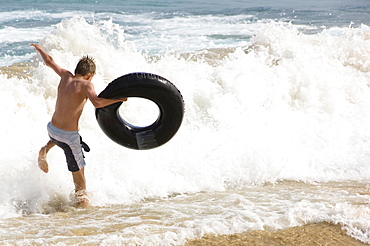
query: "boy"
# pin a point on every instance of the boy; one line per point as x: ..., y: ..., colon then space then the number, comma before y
x: 73, y: 92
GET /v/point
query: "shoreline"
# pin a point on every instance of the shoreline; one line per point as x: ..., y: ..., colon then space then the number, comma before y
x: 18, y: 70
x: 308, y: 235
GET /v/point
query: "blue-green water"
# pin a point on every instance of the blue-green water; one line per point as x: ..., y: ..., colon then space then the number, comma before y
x: 184, y: 26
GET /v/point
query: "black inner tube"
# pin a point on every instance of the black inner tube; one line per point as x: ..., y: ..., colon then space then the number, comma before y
x: 149, y: 86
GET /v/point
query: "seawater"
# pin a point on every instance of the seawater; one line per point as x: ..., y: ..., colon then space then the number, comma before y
x: 275, y: 133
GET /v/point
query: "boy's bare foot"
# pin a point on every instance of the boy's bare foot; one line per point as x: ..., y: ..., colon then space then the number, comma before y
x: 43, y: 164
x: 80, y: 199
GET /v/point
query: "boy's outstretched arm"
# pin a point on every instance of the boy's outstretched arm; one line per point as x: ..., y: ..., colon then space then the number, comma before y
x: 49, y: 61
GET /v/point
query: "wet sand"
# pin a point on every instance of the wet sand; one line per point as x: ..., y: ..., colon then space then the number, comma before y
x: 18, y: 70
x: 308, y: 235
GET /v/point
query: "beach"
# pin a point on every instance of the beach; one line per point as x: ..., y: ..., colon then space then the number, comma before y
x: 273, y: 148
x: 313, y: 234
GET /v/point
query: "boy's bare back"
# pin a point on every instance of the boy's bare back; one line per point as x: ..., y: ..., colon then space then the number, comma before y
x: 70, y: 102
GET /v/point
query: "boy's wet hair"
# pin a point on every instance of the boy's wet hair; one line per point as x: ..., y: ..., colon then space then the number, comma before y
x: 85, y: 66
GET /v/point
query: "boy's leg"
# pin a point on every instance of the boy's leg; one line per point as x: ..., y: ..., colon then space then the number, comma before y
x: 79, y: 180
x: 43, y: 164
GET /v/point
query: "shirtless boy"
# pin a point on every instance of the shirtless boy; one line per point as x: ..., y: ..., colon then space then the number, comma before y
x: 73, y: 92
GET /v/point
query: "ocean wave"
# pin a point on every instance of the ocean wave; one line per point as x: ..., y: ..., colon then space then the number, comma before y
x: 274, y: 127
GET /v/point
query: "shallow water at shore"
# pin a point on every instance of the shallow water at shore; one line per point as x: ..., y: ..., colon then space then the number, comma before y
x: 308, y: 235
x: 284, y: 213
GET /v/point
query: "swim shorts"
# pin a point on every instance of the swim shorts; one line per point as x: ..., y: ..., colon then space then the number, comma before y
x: 71, y: 143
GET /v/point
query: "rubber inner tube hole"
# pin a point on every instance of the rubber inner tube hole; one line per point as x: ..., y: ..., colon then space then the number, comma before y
x: 139, y: 112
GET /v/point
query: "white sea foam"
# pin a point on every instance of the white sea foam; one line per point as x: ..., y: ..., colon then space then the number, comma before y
x: 11, y: 34
x: 289, y: 107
